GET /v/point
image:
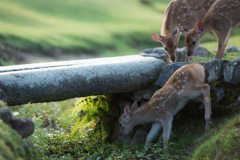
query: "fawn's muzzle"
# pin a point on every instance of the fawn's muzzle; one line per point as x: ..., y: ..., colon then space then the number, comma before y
x: 189, y: 53
x: 172, y: 58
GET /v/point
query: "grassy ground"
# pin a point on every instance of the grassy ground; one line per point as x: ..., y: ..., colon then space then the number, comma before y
x: 54, y: 139
x: 79, y: 25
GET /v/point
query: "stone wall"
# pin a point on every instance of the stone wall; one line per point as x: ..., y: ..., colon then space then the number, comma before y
x: 226, y: 73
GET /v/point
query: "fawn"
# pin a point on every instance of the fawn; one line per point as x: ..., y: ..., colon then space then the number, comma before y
x: 185, y: 84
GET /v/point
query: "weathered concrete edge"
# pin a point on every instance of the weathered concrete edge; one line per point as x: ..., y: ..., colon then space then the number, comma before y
x: 24, y: 67
x: 124, y: 74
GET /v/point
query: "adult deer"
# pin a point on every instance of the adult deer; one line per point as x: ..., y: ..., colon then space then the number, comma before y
x: 183, y: 12
x: 220, y: 18
x: 186, y: 83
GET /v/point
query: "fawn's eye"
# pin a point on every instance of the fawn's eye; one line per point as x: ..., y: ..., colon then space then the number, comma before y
x: 194, y: 42
x: 165, y: 48
x: 120, y: 124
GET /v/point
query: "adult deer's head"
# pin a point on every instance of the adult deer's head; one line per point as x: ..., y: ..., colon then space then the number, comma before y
x: 169, y: 43
x: 192, y: 38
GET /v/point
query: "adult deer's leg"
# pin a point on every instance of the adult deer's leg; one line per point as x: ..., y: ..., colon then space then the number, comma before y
x: 222, y: 41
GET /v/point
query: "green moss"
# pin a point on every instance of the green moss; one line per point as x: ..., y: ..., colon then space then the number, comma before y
x: 159, y: 72
x: 11, y: 145
x: 213, y: 96
x: 215, y: 83
x: 97, y: 117
x: 223, y: 145
x: 236, y: 94
x: 149, y: 82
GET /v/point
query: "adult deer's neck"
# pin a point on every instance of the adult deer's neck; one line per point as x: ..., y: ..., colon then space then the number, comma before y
x: 168, y: 22
x: 207, y: 25
x: 168, y: 28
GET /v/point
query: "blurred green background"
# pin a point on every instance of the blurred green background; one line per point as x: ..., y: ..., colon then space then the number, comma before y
x: 96, y: 28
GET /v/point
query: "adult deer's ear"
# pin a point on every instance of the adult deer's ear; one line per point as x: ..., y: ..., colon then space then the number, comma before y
x: 134, y: 106
x: 199, y: 28
x: 181, y: 29
x: 157, y: 37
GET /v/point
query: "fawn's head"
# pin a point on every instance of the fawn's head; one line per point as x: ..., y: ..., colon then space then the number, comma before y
x: 192, y: 38
x: 169, y: 44
x: 125, y: 120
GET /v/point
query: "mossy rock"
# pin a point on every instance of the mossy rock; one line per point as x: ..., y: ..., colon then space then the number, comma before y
x: 223, y: 145
x: 11, y: 145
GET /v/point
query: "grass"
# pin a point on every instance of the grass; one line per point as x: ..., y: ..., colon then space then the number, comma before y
x: 112, y: 28
x: 78, y: 24
x: 189, y: 141
x: 224, y: 144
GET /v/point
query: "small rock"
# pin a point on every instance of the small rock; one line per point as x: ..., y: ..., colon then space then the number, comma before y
x: 3, y: 96
x: 199, y: 51
x: 144, y: 94
x: 219, y: 92
x: 24, y: 127
x: 201, y: 106
x: 139, y: 137
x: 128, y: 138
x: 214, y: 69
x: 181, y: 54
x: 122, y: 104
x: 158, y: 53
x: 27, y: 143
x: 231, y: 49
x: 231, y: 72
x: 238, y: 100
x: 167, y: 72
x: 6, y: 115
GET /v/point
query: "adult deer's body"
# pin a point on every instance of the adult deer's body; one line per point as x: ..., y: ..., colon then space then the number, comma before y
x: 186, y: 83
x: 183, y: 12
x: 221, y: 17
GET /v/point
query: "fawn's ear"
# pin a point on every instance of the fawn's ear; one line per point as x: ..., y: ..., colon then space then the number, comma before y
x: 181, y: 29
x: 199, y: 28
x: 127, y: 110
x: 157, y: 37
x: 134, y: 106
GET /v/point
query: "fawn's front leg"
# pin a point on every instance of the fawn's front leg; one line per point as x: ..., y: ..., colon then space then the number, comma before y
x: 153, y: 132
x: 167, y: 125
